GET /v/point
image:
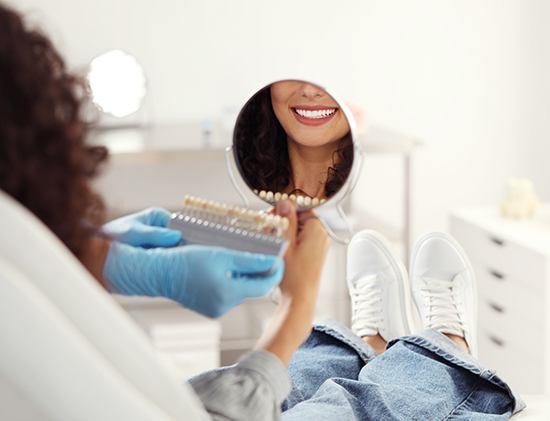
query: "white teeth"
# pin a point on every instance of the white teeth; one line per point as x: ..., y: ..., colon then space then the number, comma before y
x: 315, y: 113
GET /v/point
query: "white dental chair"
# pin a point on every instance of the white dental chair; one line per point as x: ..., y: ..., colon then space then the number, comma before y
x: 69, y: 352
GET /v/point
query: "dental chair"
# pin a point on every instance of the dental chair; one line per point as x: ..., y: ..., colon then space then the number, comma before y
x: 69, y: 352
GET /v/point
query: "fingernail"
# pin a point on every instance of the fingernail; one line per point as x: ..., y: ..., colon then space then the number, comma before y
x: 283, y: 207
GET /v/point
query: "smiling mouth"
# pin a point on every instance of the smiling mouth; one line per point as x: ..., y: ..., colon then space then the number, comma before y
x: 314, y: 116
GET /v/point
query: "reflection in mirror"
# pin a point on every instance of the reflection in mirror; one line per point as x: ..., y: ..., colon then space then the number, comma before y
x: 293, y: 140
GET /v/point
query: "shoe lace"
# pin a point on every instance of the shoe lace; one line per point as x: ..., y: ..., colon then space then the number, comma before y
x: 367, y: 305
x: 441, y: 310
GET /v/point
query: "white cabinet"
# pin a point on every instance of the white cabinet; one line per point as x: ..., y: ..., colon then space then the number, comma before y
x: 512, y: 264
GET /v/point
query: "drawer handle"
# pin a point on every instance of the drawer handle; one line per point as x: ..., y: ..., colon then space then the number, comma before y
x: 497, y: 274
x: 496, y: 341
x: 496, y: 307
x: 497, y: 241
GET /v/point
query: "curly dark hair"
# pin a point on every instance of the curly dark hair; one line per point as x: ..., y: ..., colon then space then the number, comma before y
x: 44, y: 161
x: 261, y: 149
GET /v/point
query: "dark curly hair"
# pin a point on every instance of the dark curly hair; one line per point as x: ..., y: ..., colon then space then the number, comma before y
x: 261, y: 149
x: 44, y: 161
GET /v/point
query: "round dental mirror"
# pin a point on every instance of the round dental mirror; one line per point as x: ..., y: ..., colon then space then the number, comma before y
x: 294, y: 140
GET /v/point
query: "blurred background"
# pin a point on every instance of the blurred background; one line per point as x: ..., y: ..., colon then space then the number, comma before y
x: 469, y: 78
x: 460, y: 89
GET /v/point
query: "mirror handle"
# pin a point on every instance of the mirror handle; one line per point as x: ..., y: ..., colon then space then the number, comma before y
x: 344, y: 241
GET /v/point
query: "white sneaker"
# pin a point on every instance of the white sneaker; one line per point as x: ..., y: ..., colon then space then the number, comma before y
x: 378, y: 287
x: 444, y: 287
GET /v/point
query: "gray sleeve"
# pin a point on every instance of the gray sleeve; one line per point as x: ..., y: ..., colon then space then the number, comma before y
x: 252, y: 389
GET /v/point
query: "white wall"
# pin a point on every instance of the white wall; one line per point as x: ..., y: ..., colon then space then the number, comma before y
x: 459, y: 74
x: 536, y: 136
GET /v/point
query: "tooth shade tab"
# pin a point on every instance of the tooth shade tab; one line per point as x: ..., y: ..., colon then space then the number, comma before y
x: 212, y: 212
x: 315, y: 113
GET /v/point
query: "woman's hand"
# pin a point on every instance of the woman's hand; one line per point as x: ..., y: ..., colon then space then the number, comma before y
x: 308, y: 242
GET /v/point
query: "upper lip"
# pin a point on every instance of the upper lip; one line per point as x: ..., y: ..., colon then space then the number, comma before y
x: 314, y: 107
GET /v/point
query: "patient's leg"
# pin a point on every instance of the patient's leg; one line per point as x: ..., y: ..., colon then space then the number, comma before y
x: 376, y: 342
x: 378, y: 287
x: 423, y: 377
x: 431, y: 376
x: 331, y: 350
x: 376, y: 281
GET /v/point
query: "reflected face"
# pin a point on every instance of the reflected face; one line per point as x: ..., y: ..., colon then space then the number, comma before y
x: 292, y: 140
x: 308, y: 115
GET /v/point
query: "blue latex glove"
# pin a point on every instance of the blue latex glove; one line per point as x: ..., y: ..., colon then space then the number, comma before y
x: 144, y: 229
x: 209, y: 280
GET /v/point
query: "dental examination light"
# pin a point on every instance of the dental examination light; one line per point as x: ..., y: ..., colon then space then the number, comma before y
x: 117, y: 83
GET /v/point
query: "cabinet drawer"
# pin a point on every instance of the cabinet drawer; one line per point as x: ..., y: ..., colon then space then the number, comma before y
x: 522, y: 373
x: 501, y: 255
x: 511, y: 332
x: 515, y: 298
x: 494, y: 352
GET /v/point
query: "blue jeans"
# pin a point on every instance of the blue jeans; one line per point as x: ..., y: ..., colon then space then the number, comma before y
x: 337, y: 376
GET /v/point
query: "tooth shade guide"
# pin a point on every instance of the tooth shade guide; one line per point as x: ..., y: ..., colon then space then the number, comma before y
x: 203, y: 226
x: 240, y: 218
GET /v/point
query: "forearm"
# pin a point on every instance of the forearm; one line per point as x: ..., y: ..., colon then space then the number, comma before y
x: 252, y: 389
x: 288, y: 328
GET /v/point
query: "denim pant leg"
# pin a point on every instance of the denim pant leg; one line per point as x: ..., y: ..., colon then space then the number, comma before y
x: 331, y: 350
x: 421, y: 377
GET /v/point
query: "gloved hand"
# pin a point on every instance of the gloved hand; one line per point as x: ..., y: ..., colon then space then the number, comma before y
x: 143, y: 229
x: 208, y: 280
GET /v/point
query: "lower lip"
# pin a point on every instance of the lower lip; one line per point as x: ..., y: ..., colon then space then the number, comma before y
x: 313, y: 121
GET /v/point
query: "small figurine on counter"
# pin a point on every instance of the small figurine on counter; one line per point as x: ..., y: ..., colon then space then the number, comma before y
x: 522, y: 201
